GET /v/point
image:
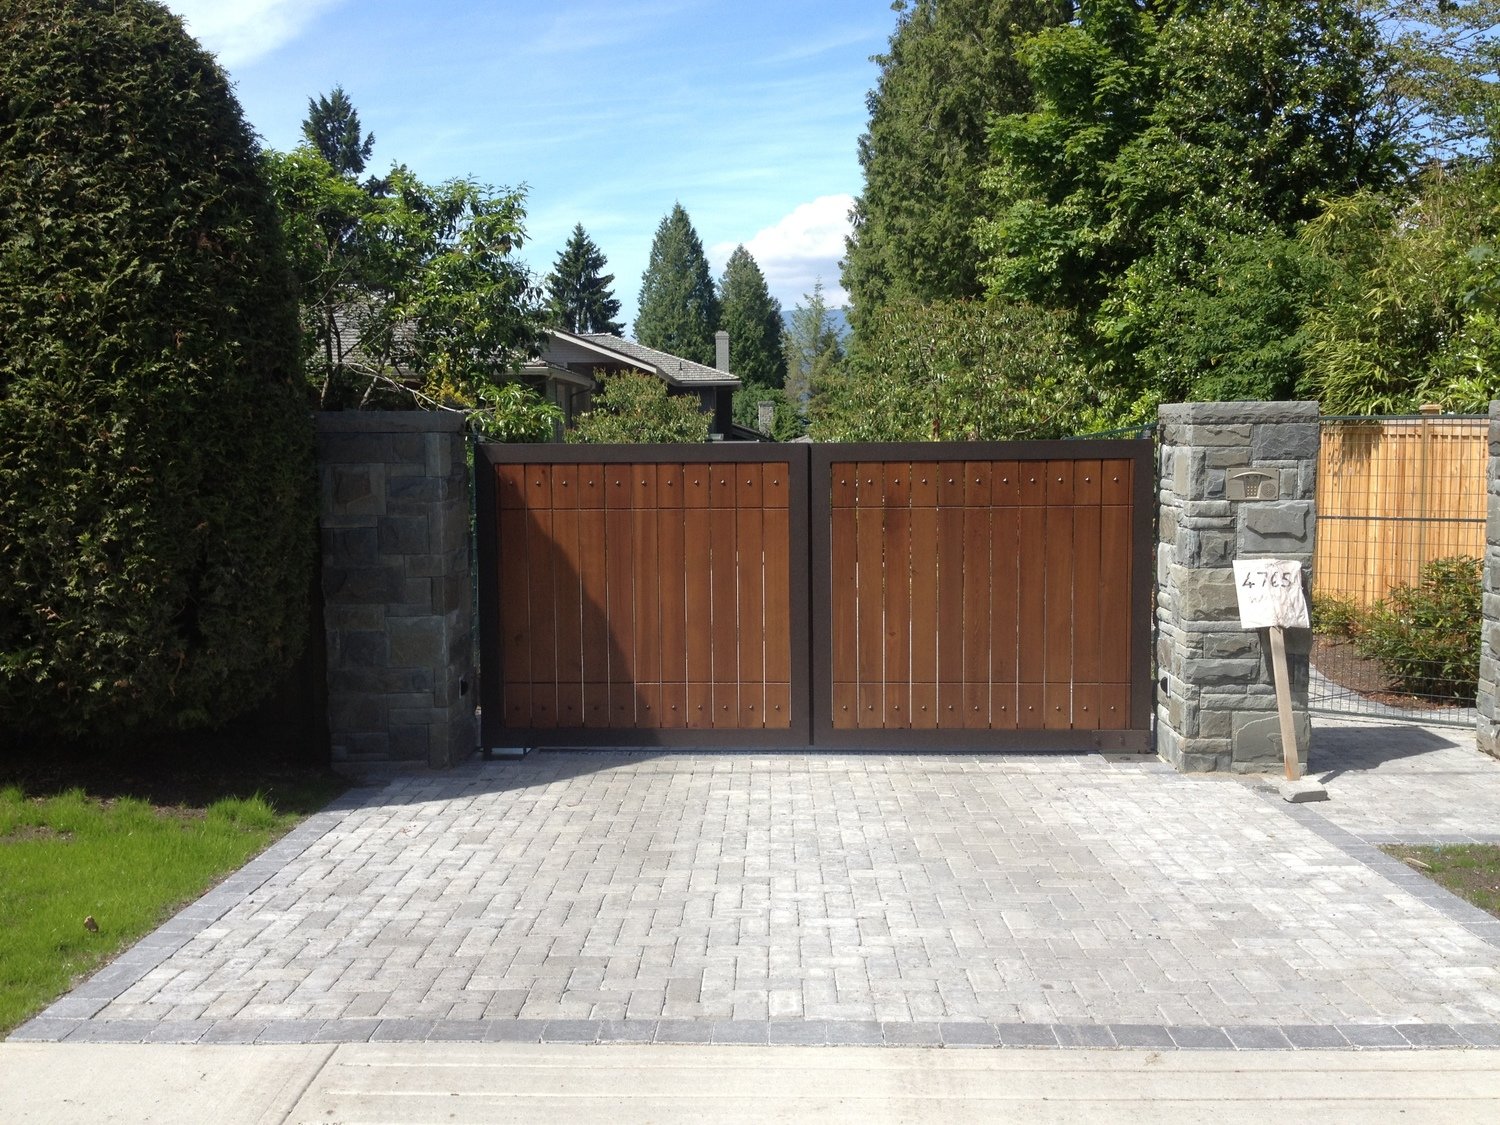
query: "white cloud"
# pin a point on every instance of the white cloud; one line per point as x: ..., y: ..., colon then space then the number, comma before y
x: 242, y: 31
x: 801, y: 248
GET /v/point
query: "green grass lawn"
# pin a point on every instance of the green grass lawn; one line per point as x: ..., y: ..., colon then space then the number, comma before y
x: 1471, y: 871
x: 127, y: 853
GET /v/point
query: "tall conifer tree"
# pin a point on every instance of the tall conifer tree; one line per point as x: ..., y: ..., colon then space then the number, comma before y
x: 678, y: 308
x: 752, y: 317
x: 332, y: 127
x: 579, y: 297
x: 950, y: 67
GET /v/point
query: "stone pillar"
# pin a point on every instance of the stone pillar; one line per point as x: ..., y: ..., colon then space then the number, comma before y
x: 396, y: 586
x: 1487, y: 732
x: 1216, y: 702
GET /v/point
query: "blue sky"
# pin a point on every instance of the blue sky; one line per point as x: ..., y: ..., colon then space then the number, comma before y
x: 748, y: 113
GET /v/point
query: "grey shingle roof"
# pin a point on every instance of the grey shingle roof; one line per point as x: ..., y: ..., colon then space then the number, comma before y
x: 672, y: 368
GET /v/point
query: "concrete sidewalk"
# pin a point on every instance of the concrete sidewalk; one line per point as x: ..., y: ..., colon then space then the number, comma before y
x: 63, y: 1083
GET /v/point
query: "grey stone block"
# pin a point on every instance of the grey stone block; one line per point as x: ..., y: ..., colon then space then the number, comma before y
x: 1206, y: 595
x: 403, y: 535
x: 1256, y: 739
x: 1276, y: 528
x: 1293, y: 441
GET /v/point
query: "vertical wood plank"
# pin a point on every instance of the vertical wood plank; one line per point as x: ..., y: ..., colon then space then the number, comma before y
x: 950, y: 608
x: 510, y: 486
x: 649, y: 577
x: 776, y: 548
x: 978, y: 580
x: 724, y: 608
x: 1059, y: 598
x: 1114, y: 594
x: 1031, y: 606
x: 698, y: 605
x: 567, y: 596
x: 515, y: 592
x: 541, y: 637
x: 869, y: 593
x: 1087, y: 596
x: 842, y: 608
x: 1005, y: 532
x: 750, y: 583
x: 896, y: 609
x: 619, y: 567
x: 594, y: 608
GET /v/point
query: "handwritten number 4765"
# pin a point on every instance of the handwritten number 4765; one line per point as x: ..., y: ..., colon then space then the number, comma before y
x: 1274, y: 579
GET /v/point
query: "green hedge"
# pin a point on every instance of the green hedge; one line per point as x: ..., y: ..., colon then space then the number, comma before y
x: 156, y: 519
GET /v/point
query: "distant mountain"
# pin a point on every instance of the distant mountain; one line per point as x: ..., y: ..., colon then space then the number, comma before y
x: 838, y: 318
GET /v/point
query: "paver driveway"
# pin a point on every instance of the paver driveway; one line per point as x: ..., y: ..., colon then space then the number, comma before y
x: 803, y: 897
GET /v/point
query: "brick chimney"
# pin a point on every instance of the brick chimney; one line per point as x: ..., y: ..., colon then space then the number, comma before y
x: 721, y: 350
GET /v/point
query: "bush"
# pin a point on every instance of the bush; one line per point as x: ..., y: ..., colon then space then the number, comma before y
x: 156, y: 510
x: 1336, y: 615
x: 634, y: 407
x: 1426, y: 636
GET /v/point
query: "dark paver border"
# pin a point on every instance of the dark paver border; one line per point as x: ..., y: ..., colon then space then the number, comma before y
x: 1367, y: 851
x: 807, y: 1033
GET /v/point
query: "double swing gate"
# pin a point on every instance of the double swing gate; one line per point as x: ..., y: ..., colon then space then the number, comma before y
x: 962, y: 596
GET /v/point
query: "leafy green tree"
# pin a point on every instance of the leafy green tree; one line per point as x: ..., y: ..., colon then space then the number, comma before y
x: 1443, y: 58
x: 814, y: 353
x: 155, y: 447
x: 1163, y: 133
x: 752, y: 317
x: 678, y: 310
x: 632, y: 407
x: 421, y: 299
x: 1412, y: 311
x: 579, y: 297
x: 957, y: 371
x: 332, y: 127
x: 950, y: 67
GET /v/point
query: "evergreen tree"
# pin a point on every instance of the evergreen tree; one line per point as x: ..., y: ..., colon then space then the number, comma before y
x: 752, y: 317
x: 579, y: 298
x: 812, y: 347
x: 678, y: 310
x: 950, y: 67
x: 332, y: 127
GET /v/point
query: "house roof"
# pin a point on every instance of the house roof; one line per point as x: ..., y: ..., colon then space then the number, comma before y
x: 673, y: 369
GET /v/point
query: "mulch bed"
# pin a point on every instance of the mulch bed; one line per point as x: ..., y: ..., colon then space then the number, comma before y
x: 1340, y: 663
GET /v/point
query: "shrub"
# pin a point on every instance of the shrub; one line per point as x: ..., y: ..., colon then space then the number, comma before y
x: 1426, y: 636
x: 155, y: 447
x: 1336, y: 615
x: 635, y: 407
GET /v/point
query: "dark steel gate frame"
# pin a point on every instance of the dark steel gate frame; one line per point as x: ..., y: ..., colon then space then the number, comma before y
x: 810, y: 506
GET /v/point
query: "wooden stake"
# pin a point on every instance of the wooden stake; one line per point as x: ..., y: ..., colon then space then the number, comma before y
x: 1284, y: 704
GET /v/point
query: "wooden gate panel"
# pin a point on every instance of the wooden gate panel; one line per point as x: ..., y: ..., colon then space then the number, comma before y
x: 1009, y: 589
x: 644, y: 595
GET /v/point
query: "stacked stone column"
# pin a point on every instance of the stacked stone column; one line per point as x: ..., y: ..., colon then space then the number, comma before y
x: 396, y: 586
x: 1216, y: 702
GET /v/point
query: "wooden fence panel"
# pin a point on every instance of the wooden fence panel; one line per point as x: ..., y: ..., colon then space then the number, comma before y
x: 1393, y: 495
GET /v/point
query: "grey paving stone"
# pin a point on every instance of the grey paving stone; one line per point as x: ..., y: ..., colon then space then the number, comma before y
x: 514, y: 1031
x: 1084, y: 1035
x: 804, y: 1033
x: 1431, y: 1035
x: 1372, y: 1035
x: 178, y: 1031
x: 1026, y: 1035
x: 746, y: 1032
x: 911, y: 1034
x: 111, y: 1031
x: 458, y: 1031
x: 1480, y: 1034
x: 290, y: 1031
x: 684, y: 1031
x: 1258, y: 1038
x: 968, y: 1035
x: 1141, y: 1035
x: 855, y: 1033
x: 355, y: 1030
x: 44, y: 1029
x: 570, y: 1031
x: 1201, y: 1038
x: 1327, y: 1038
x: 627, y: 1031
x: 233, y: 1031
x: 400, y: 1030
